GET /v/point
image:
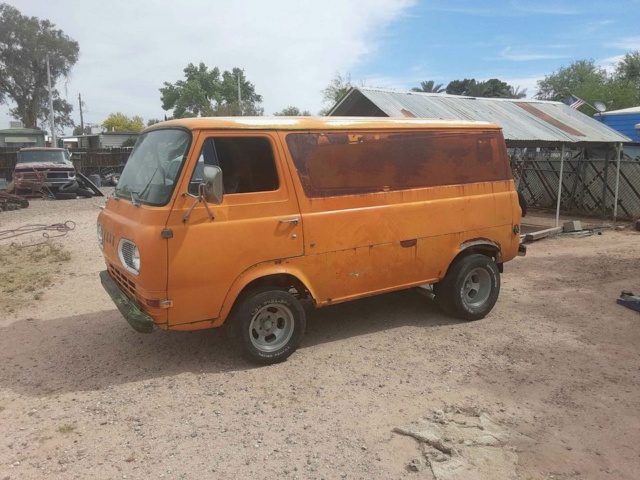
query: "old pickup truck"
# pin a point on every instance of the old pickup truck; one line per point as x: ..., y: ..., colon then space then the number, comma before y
x: 52, y: 166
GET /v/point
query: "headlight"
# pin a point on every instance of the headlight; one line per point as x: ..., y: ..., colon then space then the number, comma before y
x: 135, y: 258
x: 99, y: 231
x: 129, y: 256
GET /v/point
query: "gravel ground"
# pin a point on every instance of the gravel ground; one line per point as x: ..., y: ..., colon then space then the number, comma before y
x: 378, y: 389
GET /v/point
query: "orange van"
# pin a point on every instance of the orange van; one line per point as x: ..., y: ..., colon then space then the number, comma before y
x: 241, y: 220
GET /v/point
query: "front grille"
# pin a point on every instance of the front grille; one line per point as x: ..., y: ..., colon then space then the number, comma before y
x: 125, y: 284
x: 58, y: 175
x: 126, y: 250
x: 29, y: 175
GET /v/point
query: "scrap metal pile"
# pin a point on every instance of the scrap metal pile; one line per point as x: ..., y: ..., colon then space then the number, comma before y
x: 82, y: 187
x: 12, y: 202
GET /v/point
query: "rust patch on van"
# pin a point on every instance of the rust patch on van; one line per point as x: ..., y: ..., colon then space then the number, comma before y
x: 329, y: 164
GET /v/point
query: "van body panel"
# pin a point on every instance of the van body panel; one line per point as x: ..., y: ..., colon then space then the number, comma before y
x: 141, y: 225
x: 206, y: 256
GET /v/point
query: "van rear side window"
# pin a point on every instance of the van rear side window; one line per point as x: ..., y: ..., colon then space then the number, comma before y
x: 333, y: 164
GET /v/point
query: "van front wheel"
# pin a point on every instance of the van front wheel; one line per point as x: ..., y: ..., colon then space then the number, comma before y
x: 269, y: 325
x: 470, y: 288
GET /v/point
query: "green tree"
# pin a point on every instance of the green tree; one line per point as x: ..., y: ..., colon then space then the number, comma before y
x: 338, y: 88
x: 153, y: 121
x: 77, y: 130
x: 205, y: 92
x: 627, y: 70
x: 119, y: 122
x: 582, y: 78
x: 496, y: 88
x: 492, y: 88
x: 593, y: 84
x: 429, y: 86
x: 292, y: 111
x: 515, y: 92
x: 24, y: 43
x: 129, y: 142
x: 477, y: 89
x: 459, y: 87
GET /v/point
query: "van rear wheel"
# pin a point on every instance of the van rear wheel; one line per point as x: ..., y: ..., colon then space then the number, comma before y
x: 268, y: 326
x: 470, y: 288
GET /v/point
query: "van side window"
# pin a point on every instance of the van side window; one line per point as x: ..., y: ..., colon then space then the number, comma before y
x: 333, y: 164
x: 247, y: 164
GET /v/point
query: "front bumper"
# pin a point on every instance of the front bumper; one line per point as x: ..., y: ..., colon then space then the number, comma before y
x: 139, y: 321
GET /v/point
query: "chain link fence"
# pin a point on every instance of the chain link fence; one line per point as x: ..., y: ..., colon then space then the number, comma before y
x: 588, y: 184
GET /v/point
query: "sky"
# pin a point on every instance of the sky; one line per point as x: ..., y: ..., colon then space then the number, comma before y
x: 291, y: 49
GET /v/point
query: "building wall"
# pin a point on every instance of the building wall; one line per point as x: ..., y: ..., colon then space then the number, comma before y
x: 19, y: 139
x: 623, y: 123
x: 113, y: 140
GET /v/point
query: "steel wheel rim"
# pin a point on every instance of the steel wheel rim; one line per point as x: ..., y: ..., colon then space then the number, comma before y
x: 271, y: 327
x: 477, y: 287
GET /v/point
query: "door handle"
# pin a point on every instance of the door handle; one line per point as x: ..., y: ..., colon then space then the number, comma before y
x: 295, y: 220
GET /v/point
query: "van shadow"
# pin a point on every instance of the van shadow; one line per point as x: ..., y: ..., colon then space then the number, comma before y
x: 373, y: 314
x: 98, y: 350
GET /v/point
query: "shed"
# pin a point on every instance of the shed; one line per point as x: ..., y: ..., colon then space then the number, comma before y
x: 552, y: 130
x: 624, y: 121
x: 20, y: 137
x: 104, y: 140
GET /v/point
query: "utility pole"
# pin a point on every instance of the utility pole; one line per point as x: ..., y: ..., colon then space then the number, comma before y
x: 54, y: 140
x: 239, y: 96
x: 81, y: 119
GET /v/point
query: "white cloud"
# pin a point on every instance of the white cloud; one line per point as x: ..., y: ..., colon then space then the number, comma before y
x: 524, y: 57
x: 551, y: 7
x: 609, y: 64
x: 627, y: 43
x: 507, y: 9
x: 529, y: 83
x: 289, y: 50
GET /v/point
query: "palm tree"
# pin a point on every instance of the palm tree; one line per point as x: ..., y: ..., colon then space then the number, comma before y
x: 429, y: 87
x: 515, y: 92
x: 476, y: 89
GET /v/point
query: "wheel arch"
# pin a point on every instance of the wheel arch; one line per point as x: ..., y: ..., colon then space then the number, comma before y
x: 483, y: 246
x: 282, y: 277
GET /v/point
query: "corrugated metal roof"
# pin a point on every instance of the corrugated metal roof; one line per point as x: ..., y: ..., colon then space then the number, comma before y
x: 521, y: 120
x: 624, y: 111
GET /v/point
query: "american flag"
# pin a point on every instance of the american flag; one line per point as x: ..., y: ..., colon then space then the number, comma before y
x: 575, y: 102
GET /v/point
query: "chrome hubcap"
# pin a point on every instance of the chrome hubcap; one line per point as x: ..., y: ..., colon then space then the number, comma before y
x: 476, y: 287
x: 271, y: 327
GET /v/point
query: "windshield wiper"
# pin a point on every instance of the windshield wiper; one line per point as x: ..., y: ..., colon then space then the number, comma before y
x: 133, y: 199
x: 132, y: 195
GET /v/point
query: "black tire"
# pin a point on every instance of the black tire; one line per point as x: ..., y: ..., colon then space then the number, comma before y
x: 65, y: 196
x: 83, y: 192
x: 523, y: 204
x: 115, y: 179
x: 268, y: 325
x: 470, y: 288
x: 70, y: 187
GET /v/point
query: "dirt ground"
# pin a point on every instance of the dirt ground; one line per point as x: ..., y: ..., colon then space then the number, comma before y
x: 547, y: 386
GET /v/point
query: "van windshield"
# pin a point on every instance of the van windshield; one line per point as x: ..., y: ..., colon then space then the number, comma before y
x: 43, y: 156
x: 153, y: 167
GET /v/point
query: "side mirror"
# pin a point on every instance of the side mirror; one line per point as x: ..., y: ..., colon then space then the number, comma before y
x: 212, y: 190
